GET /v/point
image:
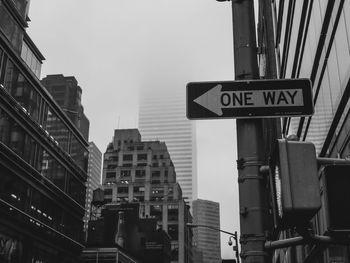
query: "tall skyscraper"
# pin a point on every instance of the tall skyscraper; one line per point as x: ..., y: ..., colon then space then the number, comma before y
x: 312, y: 41
x: 43, y: 156
x: 137, y: 171
x: 207, y: 241
x: 94, y: 165
x: 162, y: 116
x: 94, y: 177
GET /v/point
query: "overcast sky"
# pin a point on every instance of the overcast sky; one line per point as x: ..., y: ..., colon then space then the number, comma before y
x: 114, y: 48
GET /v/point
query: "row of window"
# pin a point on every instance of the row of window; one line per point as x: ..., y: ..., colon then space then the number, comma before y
x: 139, y: 174
x: 15, y: 248
x: 140, y: 157
x: 19, y: 194
x: 10, y: 27
x: 129, y: 164
x: 159, y: 191
x: 324, y: 60
x: 132, y: 148
x: 20, y: 142
x: 39, y: 110
x: 30, y: 59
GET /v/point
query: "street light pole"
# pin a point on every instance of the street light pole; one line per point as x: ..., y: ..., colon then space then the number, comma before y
x: 235, y: 247
x: 234, y: 235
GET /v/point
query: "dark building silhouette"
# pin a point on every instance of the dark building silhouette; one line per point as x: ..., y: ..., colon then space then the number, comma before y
x: 120, y: 226
x: 43, y: 156
x: 67, y: 93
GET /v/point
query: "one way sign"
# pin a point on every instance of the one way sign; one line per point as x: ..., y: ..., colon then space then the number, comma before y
x: 247, y: 99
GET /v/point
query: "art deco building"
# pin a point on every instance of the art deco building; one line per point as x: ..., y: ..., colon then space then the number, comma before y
x: 43, y: 156
x: 136, y: 171
x: 312, y: 41
x: 162, y: 116
x: 206, y: 240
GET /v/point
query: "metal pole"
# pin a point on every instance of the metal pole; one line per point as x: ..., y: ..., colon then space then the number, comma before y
x: 252, y: 190
x: 210, y: 227
x: 236, y: 248
x: 332, y: 161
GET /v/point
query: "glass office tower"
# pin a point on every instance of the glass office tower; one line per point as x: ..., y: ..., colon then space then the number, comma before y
x: 43, y: 157
x: 312, y: 40
x: 206, y: 240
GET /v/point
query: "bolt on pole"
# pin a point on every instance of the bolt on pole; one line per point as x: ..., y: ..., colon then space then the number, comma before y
x: 252, y: 191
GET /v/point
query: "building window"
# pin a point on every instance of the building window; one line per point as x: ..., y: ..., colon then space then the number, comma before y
x: 127, y: 157
x: 173, y: 231
x: 139, y: 189
x: 156, y: 174
x: 79, y: 153
x: 174, y: 252
x: 156, y: 198
x: 142, y: 157
x: 53, y: 170
x: 139, y: 148
x: 138, y: 199
x: 113, y: 158
x: 156, y: 211
x: 125, y: 173
x: 56, y: 128
x: 130, y: 148
x: 10, y: 28
x: 22, y: 91
x: 127, y: 165
x: 155, y: 181
x: 173, y: 212
x: 110, y: 175
x: 140, y: 173
x: 77, y: 190
x: 108, y: 191
x: 123, y: 190
x: 32, y: 62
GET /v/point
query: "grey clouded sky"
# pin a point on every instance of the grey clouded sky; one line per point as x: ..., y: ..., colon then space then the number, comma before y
x: 114, y: 48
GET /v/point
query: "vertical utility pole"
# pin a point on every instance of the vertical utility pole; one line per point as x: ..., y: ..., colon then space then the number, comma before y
x: 252, y: 191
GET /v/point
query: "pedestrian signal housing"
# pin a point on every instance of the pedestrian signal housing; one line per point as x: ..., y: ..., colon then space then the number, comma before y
x: 297, y: 188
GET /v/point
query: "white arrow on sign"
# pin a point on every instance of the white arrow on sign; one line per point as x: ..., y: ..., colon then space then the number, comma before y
x: 215, y: 100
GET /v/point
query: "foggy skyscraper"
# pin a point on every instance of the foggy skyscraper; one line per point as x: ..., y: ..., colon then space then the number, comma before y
x: 162, y: 116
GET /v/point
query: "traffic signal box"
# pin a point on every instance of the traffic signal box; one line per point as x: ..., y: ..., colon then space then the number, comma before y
x: 297, y: 176
x: 336, y: 193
